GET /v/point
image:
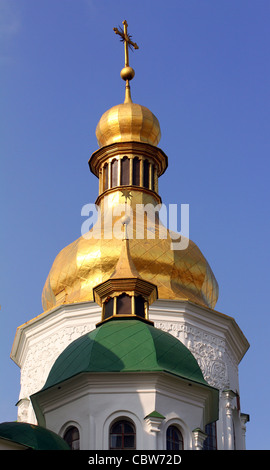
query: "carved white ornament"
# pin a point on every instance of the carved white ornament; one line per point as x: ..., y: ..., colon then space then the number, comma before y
x: 208, y: 349
x: 42, y: 355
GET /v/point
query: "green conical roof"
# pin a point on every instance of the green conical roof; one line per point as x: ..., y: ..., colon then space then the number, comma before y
x: 125, y: 346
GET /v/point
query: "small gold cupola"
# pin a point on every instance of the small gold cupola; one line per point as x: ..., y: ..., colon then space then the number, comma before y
x: 125, y: 294
x: 128, y: 121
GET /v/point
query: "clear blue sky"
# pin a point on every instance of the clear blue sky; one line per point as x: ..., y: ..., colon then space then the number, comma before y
x: 203, y: 69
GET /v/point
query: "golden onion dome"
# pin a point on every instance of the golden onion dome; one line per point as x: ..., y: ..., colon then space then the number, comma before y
x: 87, y: 262
x: 127, y: 122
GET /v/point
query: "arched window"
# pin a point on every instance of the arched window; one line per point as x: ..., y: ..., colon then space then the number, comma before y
x: 146, y: 173
x: 210, y: 442
x: 114, y: 173
x: 72, y: 438
x: 153, y: 178
x: 122, y: 435
x: 174, y: 439
x: 136, y: 172
x: 125, y: 171
x: 106, y: 177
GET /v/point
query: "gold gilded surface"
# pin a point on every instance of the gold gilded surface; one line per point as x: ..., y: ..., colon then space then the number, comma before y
x: 130, y: 149
x: 125, y: 267
x: 128, y: 122
x: 125, y: 278
x: 85, y: 263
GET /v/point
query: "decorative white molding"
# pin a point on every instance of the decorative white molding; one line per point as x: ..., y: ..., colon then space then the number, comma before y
x: 154, y: 422
x: 199, y: 437
x: 42, y: 355
x: 209, y: 350
x: 228, y: 397
x: 244, y: 420
x: 39, y: 342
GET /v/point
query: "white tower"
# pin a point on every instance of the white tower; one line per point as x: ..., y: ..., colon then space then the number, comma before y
x: 129, y: 351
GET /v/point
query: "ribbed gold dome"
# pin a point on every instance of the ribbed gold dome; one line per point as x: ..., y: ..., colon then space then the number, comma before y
x: 128, y: 122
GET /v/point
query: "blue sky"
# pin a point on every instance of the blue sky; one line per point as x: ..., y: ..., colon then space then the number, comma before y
x: 203, y: 69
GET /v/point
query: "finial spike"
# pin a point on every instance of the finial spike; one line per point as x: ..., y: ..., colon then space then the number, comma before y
x: 127, y: 93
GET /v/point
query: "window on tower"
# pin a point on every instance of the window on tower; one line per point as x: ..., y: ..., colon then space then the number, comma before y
x: 114, y: 169
x: 174, y: 439
x: 136, y: 171
x: 125, y: 171
x: 153, y: 178
x: 106, y: 176
x: 210, y: 442
x: 108, y: 308
x: 123, y: 305
x: 122, y: 435
x: 139, y: 306
x: 72, y: 437
x: 146, y: 174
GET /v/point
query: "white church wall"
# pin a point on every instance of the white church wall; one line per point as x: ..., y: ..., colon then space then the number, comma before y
x: 93, y: 403
x: 38, y: 344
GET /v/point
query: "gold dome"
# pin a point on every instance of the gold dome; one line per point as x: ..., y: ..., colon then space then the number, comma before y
x: 85, y: 263
x: 128, y: 122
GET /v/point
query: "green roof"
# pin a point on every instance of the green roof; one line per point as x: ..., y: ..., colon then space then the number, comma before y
x: 125, y: 346
x: 31, y: 436
x: 155, y: 414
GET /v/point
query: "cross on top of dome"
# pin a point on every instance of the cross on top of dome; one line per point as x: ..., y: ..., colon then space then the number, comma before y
x: 126, y: 38
x: 127, y: 73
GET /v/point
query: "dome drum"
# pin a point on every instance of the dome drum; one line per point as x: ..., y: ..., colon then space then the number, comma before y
x: 125, y: 306
x: 139, y: 194
x: 131, y: 149
x: 128, y: 164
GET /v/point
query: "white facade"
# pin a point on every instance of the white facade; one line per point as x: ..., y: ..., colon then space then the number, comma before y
x: 214, y: 339
x: 93, y: 402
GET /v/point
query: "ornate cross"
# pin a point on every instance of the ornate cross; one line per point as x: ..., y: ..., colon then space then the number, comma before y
x: 126, y: 38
